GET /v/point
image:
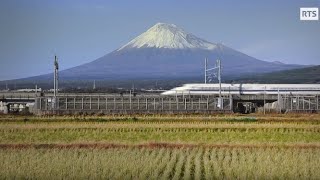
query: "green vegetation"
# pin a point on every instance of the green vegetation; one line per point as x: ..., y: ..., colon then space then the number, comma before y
x: 301, y: 75
x: 160, y: 147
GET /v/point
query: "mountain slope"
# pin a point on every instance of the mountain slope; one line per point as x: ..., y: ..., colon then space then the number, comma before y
x: 166, y: 51
x: 301, y: 75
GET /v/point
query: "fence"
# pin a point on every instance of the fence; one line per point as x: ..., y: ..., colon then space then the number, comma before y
x: 132, y: 104
x: 299, y: 103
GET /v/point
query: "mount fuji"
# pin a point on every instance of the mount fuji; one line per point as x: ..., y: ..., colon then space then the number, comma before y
x: 167, y: 51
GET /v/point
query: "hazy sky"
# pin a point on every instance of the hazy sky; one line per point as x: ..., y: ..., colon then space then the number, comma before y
x: 32, y: 31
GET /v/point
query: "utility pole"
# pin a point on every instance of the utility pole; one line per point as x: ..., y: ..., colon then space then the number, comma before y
x: 205, y: 70
x: 279, y: 105
x: 55, y: 81
x: 264, y: 100
x: 94, y: 84
x: 217, y: 74
x: 130, y: 100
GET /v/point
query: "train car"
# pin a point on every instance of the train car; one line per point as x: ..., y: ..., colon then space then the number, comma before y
x: 245, y: 89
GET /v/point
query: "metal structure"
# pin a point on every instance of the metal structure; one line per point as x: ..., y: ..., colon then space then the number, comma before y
x: 55, y: 82
x: 295, y: 103
x: 73, y: 103
x: 154, y: 104
x: 128, y: 104
x: 215, y: 72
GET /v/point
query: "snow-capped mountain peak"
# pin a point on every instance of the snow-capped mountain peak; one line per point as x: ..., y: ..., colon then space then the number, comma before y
x: 163, y: 35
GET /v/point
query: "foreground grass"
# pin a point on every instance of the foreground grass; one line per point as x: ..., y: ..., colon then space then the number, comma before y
x: 160, y: 163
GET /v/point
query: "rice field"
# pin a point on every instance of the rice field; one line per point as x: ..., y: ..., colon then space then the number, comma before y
x: 218, y: 147
x: 160, y: 163
x: 191, y: 132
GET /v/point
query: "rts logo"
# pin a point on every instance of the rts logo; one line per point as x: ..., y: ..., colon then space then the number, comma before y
x: 309, y: 14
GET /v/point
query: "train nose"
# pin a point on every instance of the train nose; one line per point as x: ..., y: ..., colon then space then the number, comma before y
x: 167, y: 93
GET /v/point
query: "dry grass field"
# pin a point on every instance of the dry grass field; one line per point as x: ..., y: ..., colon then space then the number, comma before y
x: 160, y: 147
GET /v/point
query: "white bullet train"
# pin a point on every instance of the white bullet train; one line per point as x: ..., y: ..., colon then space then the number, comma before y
x: 245, y: 89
